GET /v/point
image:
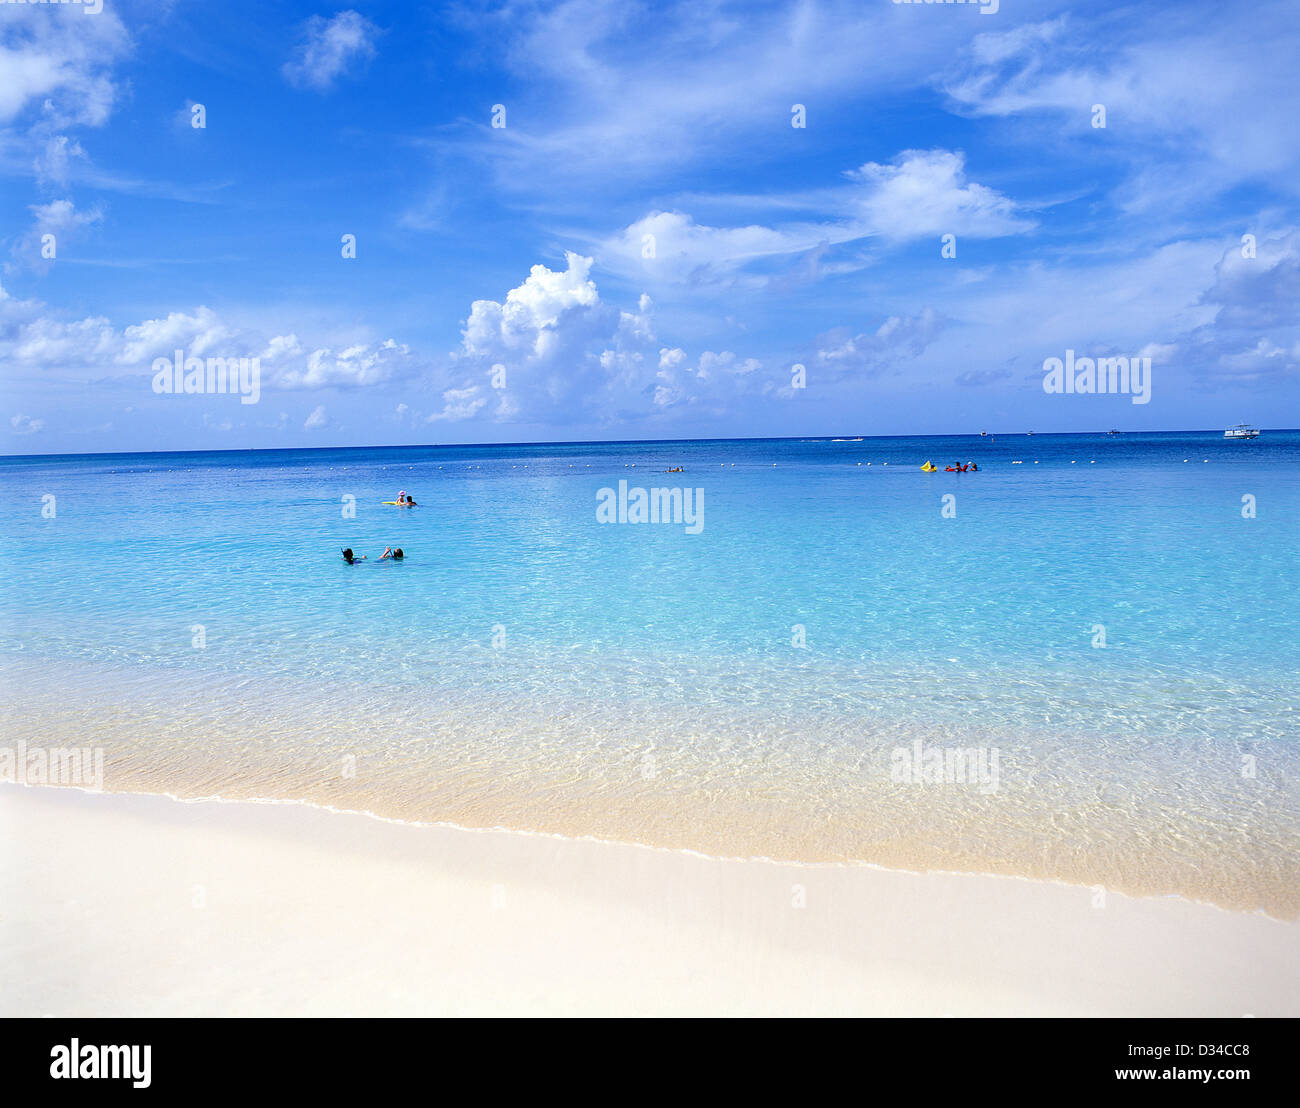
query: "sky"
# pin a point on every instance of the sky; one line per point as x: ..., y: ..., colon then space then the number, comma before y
x: 579, y: 220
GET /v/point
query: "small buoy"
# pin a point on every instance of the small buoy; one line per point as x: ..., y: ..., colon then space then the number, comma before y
x: 1073, y: 462
x: 1093, y: 462
x: 859, y: 463
x: 1035, y: 461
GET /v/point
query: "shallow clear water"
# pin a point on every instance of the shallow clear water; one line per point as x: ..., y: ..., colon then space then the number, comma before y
x: 528, y: 666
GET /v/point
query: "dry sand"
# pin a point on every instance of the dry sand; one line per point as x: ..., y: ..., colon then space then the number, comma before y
x: 128, y: 905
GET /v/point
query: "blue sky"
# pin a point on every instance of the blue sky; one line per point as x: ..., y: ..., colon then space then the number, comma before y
x: 647, y: 247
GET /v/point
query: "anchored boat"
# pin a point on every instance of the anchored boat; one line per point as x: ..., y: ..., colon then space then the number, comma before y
x: 1241, y: 431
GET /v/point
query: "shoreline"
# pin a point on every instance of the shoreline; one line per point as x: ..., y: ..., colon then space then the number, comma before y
x: 684, y: 851
x: 234, y: 907
x: 799, y: 796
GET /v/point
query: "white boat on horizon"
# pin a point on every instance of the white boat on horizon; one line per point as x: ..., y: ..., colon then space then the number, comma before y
x: 1241, y: 431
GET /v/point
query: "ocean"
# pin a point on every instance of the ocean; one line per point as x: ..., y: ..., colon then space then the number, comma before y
x: 1077, y: 664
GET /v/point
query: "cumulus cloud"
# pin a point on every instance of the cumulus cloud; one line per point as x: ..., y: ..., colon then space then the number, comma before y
x: 536, y: 316
x: 355, y: 366
x: 330, y: 48
x: 317, y: 419
x: 33, y: 338
x: 710, y: 382
x: 918, y: 193
x: 553, y: 350
x: 25, y: 425
x: 547, y: 341
x: 925, y: 192
x: 460, y: 404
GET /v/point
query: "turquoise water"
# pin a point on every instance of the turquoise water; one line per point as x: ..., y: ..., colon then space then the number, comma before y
x: 529, y: 666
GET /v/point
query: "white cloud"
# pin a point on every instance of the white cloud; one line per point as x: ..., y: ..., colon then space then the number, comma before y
x: 843, y: 354
x: 1180, y: 136
x: 197, y: 334
x: 357, y: 366
x: 59, y: 218
x: 670, y: 359
x: 61, y: 59
x: 34, y: 339
x: 925, y: 192
x: 25, y: 425
x: 564, y: 354
x: 533, y: 319
x: 641, y: 87
x: 725, y: 362
x: 460, y: 404
x: 53, y: 161
x: 716, y: 378
x: 329, y: 49
x: 918, y: 193
x: 317, y: 419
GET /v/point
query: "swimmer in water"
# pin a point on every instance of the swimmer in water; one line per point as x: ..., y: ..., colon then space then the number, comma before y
x: 351, y: 558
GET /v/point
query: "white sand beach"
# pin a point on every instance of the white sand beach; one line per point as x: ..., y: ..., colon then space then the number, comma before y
x: 129, y: 905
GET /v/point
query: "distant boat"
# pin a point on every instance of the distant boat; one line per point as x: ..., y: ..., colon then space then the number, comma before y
x: 1029, y: 432
x: 1241, y: 431
x: 983, y: 432
x: 846, y: 440
x: 1112, y: 431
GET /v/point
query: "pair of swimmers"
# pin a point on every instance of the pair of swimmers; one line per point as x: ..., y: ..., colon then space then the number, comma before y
x: 406, y: 501
x: 389, y: 554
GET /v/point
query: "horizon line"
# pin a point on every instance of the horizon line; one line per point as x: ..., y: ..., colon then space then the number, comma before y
x: 623, y: 442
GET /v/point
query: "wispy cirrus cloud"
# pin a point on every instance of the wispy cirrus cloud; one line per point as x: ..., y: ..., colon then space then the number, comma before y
x: 1198, y: 99
x: 648, y: 88
x: 329, y: 49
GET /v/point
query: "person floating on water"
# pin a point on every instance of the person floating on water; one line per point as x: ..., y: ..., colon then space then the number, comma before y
x: 351, y: 558
x: 392, y: 554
